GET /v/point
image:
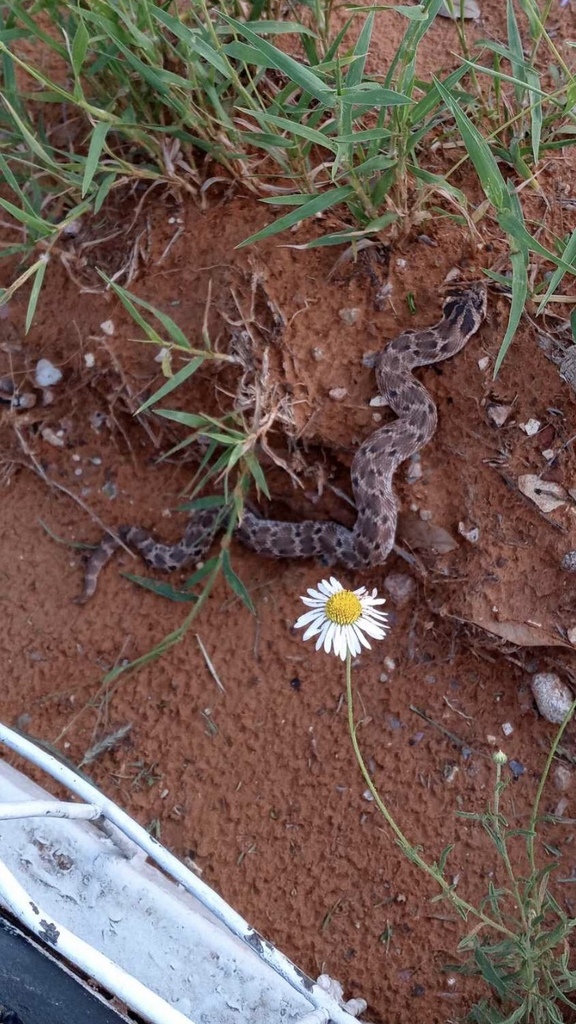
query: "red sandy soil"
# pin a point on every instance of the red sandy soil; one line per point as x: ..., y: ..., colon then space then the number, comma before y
x: 255, y: 780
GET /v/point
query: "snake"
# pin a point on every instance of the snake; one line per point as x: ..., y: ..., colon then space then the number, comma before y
x: 372, y: 537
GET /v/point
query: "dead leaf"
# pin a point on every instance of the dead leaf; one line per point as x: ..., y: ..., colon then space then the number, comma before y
x: 545, y: 494
x: 522, y: 634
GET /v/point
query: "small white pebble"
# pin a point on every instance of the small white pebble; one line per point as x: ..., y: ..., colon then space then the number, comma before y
x: 367, y: 795
x: 471, y: 534
x: 108, y: 327
x: 52, y: 438
x: 491, y: 739
x: 389, y: 664
x: 338, y: 394
x: 46, y: 373
x: 78, y: 472
x: 383, y: 677
x: 549, y: 454
x: 96, y: 461
x: 498, y: 414
x: 507, y: 728
x: 531, y: 427
x: 349, y: 316
x: 563, y: 778
x: 571, y: 634
x: 75, y: 457
x: 89, y: 359
x: 376, y: 417
x: 72, y: 229
x: 484, y: 363
x: 414, y: 471
x: 401, y: 264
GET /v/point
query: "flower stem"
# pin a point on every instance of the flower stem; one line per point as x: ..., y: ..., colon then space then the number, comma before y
x: 462, y: 906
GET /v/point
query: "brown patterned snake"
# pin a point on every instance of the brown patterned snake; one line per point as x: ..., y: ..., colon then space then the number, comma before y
x: 372, y: 537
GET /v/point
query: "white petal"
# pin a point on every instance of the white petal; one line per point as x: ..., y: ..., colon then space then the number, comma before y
x: 372, y: 628
x: 325, y: 588
x: 361, y: 636
x: 313, y: 628
x: 307, y: 617
x: 379, y: 619
x: 340, y: 643
x: 347, y: 642
x: 322, y: 636
x: 329, y: 638
x: 375, y: 613
x: 335, y: 584
x: 314, y: 602
x: 316, y: 595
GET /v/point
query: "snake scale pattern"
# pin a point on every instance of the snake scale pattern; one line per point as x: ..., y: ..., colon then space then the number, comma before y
x: 373, y: 467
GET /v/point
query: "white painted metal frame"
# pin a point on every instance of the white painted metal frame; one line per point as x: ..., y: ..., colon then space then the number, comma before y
x: 104, y: 812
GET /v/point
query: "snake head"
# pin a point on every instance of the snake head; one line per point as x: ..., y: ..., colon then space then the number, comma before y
x: 465, y: 306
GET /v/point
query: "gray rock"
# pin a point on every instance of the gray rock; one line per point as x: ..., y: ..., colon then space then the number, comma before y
x: 553, y: 697
x: 400, y: 587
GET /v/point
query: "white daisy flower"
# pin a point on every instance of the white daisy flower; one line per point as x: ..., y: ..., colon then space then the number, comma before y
x: 341, y: 617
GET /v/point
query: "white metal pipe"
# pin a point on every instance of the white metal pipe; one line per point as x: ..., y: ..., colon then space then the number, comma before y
x: 169, y: 863
x: 95, y: 964
x: 48, y: 809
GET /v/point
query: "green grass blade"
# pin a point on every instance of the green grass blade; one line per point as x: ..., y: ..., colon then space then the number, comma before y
x: 296, y: 72
x: 309, y: 209
x: 183, y: 374
x: 29, y: 219
x: 514, y: 226
x: 97, y: 141
x: 568, y: 256
x: 520, y: 259
x: 491, y: 180
x: 294, y: 127
x: 164, y: 590
x: 35, y: 292
x: 130, y: 302
x: 235, y: 583
x: 29, y: 137
x: 79, y: 48
x: 356, y: 70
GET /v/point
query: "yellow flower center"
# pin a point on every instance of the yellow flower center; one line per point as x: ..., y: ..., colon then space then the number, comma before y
x: 344, y: 608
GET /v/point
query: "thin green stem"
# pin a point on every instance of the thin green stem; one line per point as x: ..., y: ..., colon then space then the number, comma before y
x: 542, y: 783
x: 496, y: 824
x: 464, y: 908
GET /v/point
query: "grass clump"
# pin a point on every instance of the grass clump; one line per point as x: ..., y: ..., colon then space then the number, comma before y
x: 519, y: 937
x: 187, y: 96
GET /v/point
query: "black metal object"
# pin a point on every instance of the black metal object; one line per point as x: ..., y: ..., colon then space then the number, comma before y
x: 35, y: 988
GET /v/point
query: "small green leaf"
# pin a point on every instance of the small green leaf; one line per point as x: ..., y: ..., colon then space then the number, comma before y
x: 79, y: 48
x: 35, y: 292
x: 235, y: 582
x: 315, y: 204
x: 295, y: 71
x: 479, y: 152
x: 165, y: 590
x: 183, y: 374
x: 97, y: 141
